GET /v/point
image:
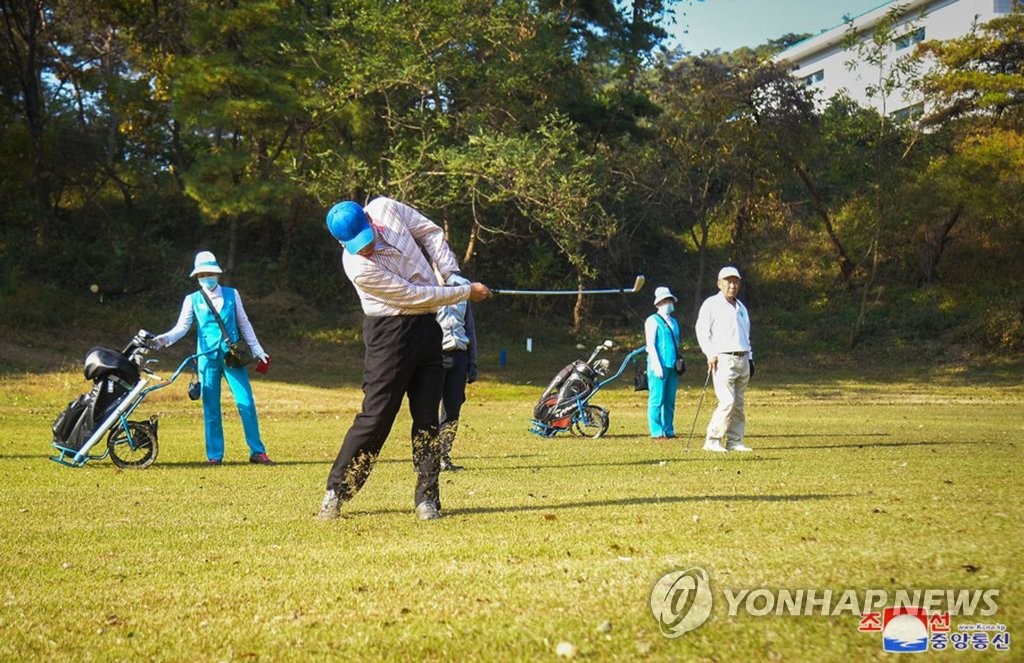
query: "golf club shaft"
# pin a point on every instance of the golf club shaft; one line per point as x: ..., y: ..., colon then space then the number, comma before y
x: 607, y: 291
x: 697, y: 413
x: 503, y: 291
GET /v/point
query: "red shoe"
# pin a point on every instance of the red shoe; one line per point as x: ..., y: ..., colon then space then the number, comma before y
x: 260, y: 459
x: 214, y: 461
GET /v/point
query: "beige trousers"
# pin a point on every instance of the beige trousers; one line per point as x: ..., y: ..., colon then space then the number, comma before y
x: 728, y: 421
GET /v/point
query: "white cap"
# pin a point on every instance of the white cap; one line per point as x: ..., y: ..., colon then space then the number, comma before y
x: 726, y: 272
x: 206, y: 263
x: 661, y: 292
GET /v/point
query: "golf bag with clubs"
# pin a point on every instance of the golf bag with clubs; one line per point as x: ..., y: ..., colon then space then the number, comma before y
x: 120, y: 383
x: 565, y: 404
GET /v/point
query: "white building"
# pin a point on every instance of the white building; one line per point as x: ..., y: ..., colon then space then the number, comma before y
x: 827, y: 66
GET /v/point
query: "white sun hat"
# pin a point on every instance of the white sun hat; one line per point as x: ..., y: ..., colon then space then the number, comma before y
x: 661, y: 292
x: 206, y: 263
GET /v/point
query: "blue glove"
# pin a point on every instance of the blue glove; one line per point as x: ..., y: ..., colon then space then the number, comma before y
x: 471, y: 374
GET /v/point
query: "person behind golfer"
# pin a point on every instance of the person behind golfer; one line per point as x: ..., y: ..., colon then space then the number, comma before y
x: 723, y: 332
x: 389, y: 248
x: 661, y: 332
x: 460, y: 368
x: 227, y: 303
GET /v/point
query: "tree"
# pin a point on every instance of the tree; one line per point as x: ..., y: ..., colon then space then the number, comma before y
x: 875, y: 53
x: 979, y: 75
x: 26, y: 55
x: 238, y: 96
x: 549, y: 181
x: 724, y: 124
x: 974, y: 91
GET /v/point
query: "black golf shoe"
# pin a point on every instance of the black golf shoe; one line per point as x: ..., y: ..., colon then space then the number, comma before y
x: 448, y: 466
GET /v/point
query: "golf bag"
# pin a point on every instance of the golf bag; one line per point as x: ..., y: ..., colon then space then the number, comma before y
x: 573, y: 384
x: 113, y: 375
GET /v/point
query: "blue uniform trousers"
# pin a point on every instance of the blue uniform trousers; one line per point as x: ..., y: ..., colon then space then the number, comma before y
x: 211, y: 370
x: 661, y: 403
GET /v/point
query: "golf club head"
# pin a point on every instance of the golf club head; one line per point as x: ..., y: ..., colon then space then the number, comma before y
x: 640, y: 280
x: 580, y: 346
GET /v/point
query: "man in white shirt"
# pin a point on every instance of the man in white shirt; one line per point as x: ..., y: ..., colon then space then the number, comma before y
x: 723, y: 331
x: 390, y: 251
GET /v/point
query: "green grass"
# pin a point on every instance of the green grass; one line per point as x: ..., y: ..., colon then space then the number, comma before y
x: 856, y: 482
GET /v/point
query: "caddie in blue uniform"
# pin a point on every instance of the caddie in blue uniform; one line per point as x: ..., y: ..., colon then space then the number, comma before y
x: 212, y: 368
x: 661, y: 332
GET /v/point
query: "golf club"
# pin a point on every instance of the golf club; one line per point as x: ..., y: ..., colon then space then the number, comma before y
x: 639, y: 283
x: 695, y: 414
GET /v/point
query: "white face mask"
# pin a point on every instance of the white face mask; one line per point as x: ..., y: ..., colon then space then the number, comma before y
x: 667, y: 309
x: 209, y: 282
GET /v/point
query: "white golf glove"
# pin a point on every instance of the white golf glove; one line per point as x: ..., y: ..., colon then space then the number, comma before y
x: 658, y: 371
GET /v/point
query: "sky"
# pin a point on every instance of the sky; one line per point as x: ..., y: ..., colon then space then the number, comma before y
x: 728, y: 24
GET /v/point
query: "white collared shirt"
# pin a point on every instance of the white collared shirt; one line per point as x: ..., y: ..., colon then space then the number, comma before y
x: 723, y: 327
x: 398, y: 278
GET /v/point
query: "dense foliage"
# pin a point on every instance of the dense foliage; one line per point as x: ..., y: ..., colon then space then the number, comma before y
x: 557, y: 142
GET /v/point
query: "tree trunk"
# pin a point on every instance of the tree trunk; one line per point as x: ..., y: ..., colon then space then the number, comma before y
x: 935, y: 241
x: 846, y: 266
x: 229, y: 268
x: 702, y: 259
x: 284, y: 256
x: 24, y: 24
x: 577, y: 310
x: 471, y: 246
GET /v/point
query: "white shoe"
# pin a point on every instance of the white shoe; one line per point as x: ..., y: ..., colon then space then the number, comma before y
x: 330, y: 509
x: 713, y: 445
x: 739, y: 446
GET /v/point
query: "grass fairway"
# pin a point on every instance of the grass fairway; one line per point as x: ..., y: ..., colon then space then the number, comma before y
x: 855, y: 483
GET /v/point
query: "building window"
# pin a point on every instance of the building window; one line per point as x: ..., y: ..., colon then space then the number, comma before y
x: 908, y: 113
x: 814, y: 78
x: 909, y: 39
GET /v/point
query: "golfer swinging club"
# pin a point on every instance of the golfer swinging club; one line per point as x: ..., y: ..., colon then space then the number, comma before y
x: 723, y: 331
x: 384, y: 246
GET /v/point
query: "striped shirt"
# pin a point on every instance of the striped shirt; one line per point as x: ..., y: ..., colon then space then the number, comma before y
x: 398, y: 278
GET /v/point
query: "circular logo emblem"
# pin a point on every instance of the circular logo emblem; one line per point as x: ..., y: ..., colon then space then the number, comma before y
x: 681, y: 601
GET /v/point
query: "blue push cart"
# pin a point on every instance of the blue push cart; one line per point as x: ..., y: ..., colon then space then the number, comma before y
x: 121, y: 381
x: 565, y: 404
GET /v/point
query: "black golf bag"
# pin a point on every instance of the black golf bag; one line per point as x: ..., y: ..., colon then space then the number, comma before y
x: 573, y: 384
x: 113, y: 375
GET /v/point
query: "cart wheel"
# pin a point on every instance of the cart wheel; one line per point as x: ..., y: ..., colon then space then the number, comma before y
x: 592, y: 423
x: 137, y: 453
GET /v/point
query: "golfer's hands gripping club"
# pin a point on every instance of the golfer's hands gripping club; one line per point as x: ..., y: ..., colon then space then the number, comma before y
x: 478, y: 292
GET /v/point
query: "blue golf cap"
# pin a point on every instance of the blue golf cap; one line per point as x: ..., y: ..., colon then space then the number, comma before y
x: 348, y: 223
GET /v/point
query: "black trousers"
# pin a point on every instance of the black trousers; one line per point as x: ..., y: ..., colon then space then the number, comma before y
x: 453, y: 391
x: 403, y: 357
x: 453, y: 395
